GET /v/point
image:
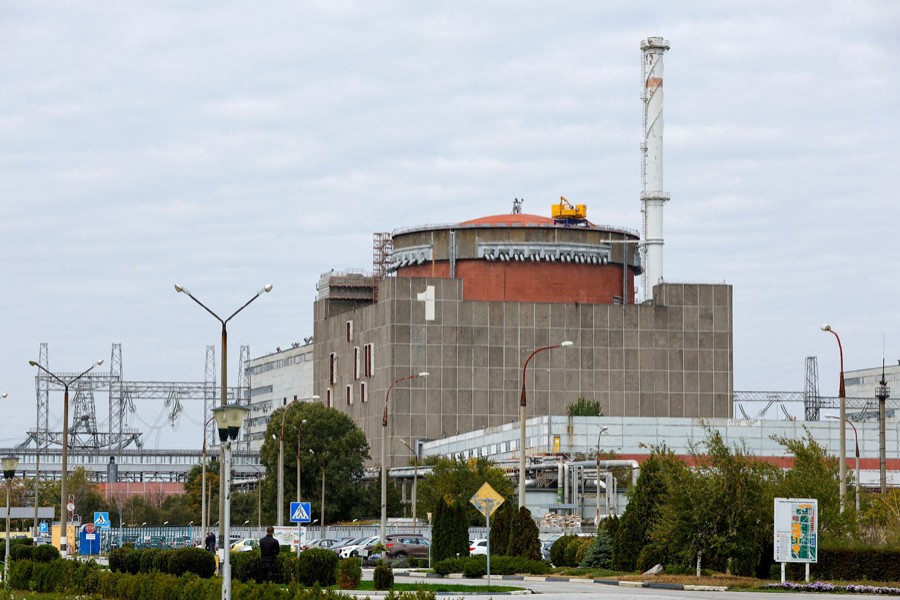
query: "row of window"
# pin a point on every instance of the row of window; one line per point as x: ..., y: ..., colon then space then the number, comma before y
x: 363, y: 363
x: 282, y: 362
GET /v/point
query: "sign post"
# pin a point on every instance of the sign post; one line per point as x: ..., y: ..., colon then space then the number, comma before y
x: 796, y: 532
x: 300, y: 514
x: 487, y: 500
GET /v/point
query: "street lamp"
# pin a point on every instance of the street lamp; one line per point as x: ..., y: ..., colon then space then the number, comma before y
x: 229, y: 419
x: 224, y: 370
x: 384, y: 423
x: 855, y: 439
x: 63, y: 510
x: 599, y: 433
x: 522, y: 405
x: 10, y: 464
x: 843, y: 415
x: 415, y: 483
x: 258, y: 497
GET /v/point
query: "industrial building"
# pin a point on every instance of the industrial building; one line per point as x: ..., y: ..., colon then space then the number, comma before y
x: 468, y: 303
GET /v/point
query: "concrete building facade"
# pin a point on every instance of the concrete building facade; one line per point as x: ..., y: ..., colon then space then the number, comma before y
x: 672, y: 358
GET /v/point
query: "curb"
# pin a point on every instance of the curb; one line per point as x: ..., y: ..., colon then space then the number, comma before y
x: 551, y: 579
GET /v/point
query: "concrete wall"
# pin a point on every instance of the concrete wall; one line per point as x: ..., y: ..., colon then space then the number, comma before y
x: 672, y: 359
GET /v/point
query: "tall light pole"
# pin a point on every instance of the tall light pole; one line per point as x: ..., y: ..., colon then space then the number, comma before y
x: 63, y: 497
x: 599, y: 433
x: 882, y: 391
x: 842, y: 473
x: 10, y: 464
x: 384, y: 424
x: 229, y: 419
x: 415, y: 483
x: 299, y: 430
x: 855, y: 439
x: 183, y: 290
x: 522, y: 404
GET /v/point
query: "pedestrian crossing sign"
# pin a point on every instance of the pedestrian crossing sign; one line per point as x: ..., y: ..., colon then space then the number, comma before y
x: 300, y: 512
x: 101, y: 520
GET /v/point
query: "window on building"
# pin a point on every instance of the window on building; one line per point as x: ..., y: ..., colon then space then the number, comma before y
x: 356, y: 362
x: 332, y: 368
x: 328, y: 397
x: 363, y: 396
x: 349, y: 331
x: 369, y: 360
x: 349, y: 395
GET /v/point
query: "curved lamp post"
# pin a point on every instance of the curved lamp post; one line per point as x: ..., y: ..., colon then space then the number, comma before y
x: 63, y: 511
x: 10, y: 464
x: 224, y: 388
x: 522, y: 404
x: 843, y: 416
x: 384, y: 423
x: 229, y: 419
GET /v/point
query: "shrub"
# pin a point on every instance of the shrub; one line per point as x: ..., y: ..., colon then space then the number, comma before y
x: 383, y: 577
x: 198, y: 561
x: 245, y: 566
x: 20, y: 574
x: 117, y: 559
x: 511, y: 565
x: 599, y: 553
x: 475, y: 566
x: 44, y: 553
x: 20, y: 552
x: 558, y: 550
x: 583, y: 545
x: 146, y: 558
x: 524, y: 537
x: 349, y: 573
x: 571, y: 552
x: 449, y: 565
x: 317, y: 565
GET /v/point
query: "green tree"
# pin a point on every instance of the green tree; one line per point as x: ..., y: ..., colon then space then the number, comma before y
x: 815, y: 474
x: 599, y: 555
x: 459, y: 480
x: 193, y: 486
x: 584, y: 408
x: 642, y: 510
x: 331, y: 447
x: 523, y: 536
x: 501, y: 525
x: 443, y: 531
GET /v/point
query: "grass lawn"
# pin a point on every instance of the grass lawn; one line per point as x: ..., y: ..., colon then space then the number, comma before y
x: 369, y: 586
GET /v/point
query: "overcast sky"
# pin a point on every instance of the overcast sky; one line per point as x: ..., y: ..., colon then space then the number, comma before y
x: 227, y: 145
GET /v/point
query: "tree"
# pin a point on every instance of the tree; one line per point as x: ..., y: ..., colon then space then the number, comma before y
x: 459, y: 480
x: 193, y: 487
x: 599, y: 555
x: 501, y: 525
x: 584, y: 408
x: 642, y: 510
x: 817, y: 475
x: 446, y: 541
x: 331, y: 446
x: 523, y: 536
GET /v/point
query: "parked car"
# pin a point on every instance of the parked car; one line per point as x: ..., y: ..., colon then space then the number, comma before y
x: 478, y: 547
x: 245, y: 545
x: 320, y: 543
x: 400, y: 546
x: 352, y: 548
x: 546, y: 544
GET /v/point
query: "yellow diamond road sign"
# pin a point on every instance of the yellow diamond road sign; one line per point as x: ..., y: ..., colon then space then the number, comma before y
x: 486, y: 499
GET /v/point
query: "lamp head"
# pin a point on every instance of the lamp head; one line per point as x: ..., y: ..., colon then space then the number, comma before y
x: 99, y: 362
x: 229, y: 419
x: 423, y: 374
x: 566, y: 344
x: 179, y: 288
x: 32, y: 363
x: 826, y: 327
x: 5, y: 394
x: 10, y: 464
x: 267, y: 288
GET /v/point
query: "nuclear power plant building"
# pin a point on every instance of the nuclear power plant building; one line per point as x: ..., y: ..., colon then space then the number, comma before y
x: 469, y: 304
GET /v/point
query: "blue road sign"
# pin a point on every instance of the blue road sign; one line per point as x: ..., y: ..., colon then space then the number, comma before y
x: 300, y: 512
x: 45, y: 527
x: 101, y: 520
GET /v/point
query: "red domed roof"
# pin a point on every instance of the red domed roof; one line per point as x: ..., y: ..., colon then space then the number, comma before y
x: 511, y: 220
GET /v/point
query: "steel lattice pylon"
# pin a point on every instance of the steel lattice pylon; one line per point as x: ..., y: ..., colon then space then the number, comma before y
x: 811, y: 390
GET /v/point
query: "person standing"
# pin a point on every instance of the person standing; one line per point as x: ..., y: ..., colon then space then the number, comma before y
x: 210, y: 542
x: 268, y: 550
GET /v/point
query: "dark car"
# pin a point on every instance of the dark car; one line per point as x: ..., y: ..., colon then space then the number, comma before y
x: 400, y: 546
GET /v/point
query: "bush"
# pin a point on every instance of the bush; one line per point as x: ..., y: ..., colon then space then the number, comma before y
x: 45, y: 553
x: 599, y: 553
x: 475, y: 566
x: 583, y: 545
x: 198, y: 561
x: 20, y: 552
x: 569, y: 557
x: 500, y: 565
x: 383, y: 577
x: 449, y: 565
x: 558, y: 550
x: 349, y: 573
x: 118, y: 561
x: 161, y: 562
x: 317, y: 565
x: 146, y: 558
x: 245, y: 566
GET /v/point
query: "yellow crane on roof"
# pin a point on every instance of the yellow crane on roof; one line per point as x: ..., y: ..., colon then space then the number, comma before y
x: 564, y: 212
